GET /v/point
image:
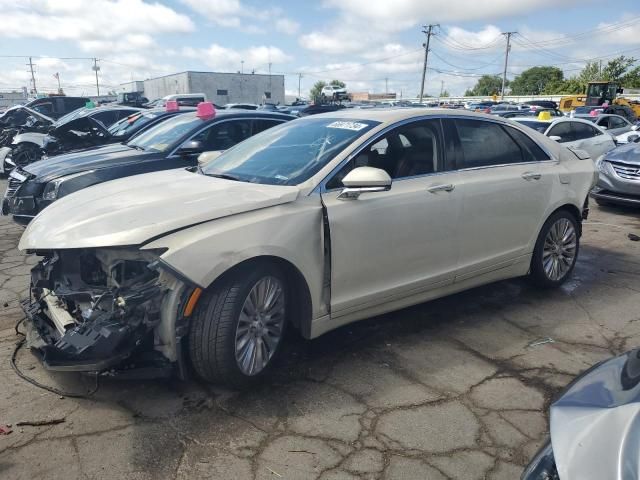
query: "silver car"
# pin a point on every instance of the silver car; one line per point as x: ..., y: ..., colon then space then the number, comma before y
x: 594, y: 426
x: 613, y: 124
x: 619, y: 176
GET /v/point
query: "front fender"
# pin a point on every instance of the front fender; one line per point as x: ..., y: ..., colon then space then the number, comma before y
x: 292, y: 232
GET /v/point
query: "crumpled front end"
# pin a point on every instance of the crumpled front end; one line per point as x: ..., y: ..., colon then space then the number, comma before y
x: 94, y: 310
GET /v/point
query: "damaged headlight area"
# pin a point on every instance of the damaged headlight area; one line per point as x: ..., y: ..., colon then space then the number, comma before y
x: 543, y: 465
x: 91, y: 309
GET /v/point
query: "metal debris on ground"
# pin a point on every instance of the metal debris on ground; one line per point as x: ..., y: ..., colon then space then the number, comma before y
x: 542, y: 342
x: 5, y: 429
x: 274, y: 472
x: 633, y: 237
x: 40, y: 423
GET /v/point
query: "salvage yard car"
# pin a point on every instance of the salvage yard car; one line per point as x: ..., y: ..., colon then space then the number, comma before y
x: 572, y: 132
x: 173, y: 143
x: 619, y: 177
x: 312, y: 224
x: 82, y: 128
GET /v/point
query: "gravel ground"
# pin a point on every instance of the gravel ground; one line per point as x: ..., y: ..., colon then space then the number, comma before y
x: 453, y: 388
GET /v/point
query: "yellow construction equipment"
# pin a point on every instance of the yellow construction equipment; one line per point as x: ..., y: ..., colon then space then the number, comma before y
x: 599, y: 93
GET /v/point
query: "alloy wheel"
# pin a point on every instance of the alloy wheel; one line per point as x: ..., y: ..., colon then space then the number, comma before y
x: 559, y: 251
x: 260, y: 325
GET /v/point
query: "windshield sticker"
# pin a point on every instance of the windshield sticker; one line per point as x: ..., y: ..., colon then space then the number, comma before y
x: 355, y: 126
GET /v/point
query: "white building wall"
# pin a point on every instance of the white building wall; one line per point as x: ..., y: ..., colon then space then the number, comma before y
x: 219, y: 88
x: 9, y: 99
x: 155, y: 88
x: 129, y: 87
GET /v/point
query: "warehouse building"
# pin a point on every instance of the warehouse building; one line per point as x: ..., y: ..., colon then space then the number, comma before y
x: 220, y: 88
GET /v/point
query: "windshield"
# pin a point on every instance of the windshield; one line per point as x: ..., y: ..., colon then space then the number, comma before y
x: 132, y: 123
x: 166, y: 134
x: 539, y: 126
x: 602, y: 91
x: 291, y: 153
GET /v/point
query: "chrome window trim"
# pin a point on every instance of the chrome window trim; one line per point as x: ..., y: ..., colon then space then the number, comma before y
x: 173, y: 155
x: 321, y: 187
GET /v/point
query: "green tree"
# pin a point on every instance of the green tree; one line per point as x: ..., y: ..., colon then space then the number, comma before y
x: 314, y: 93
x: 615, y: 70
x: 338, y: 83
x: 631, y: 79
x: 590, y: 73
x: 445, y: 94
x: 533, y: 81
x: 486, y: 85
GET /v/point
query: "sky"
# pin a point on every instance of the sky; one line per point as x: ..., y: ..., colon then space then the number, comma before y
x: 371, y: 45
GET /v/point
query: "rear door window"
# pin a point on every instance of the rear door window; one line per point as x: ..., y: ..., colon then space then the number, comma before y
x: 262, y: 125
x: 583, y: 131
x: 486, y: 143
x: 616, y: 122
x: 530, y: 149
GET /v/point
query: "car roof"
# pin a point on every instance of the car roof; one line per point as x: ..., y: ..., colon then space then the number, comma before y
x: 227, y: 114
x: 392, y: 114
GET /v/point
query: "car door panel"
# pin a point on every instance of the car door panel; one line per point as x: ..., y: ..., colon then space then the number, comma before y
x: 398, y: 243
x: 391, y: 244
x: 502, y: 204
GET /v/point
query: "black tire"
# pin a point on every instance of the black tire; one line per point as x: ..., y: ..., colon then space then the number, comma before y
x: 26, y: 153
x: 537, y: 274
x: 212, y: 334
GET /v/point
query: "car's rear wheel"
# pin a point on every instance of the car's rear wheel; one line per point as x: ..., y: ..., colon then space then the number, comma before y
x: 239, y: 325
x: 556, y: 250
x: 26, y: 153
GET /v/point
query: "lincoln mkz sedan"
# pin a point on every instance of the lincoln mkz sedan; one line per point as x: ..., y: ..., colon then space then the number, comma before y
x: 312, y: 224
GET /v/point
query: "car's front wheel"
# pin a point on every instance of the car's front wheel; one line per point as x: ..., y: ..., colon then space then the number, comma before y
x: 239, y: 325
x: 556, y: 250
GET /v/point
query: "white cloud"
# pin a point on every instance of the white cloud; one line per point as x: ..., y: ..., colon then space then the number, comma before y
x: 285, y: 25
x: 223, y: 59
x: 99, y: 24
x: 234, y: 14
x: 402, y: 14
x: 489, y: 36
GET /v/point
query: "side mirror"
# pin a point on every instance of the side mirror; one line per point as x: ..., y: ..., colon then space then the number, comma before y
x: 633, y: 138
x: 364, y: 180
x: 555, y: 137
x: 635, y: 127
x: 206, y: 157
x: 603, y: 127
x: 190, y: 147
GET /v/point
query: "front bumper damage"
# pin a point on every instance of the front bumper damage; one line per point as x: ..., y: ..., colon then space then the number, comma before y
x: 103, y: 310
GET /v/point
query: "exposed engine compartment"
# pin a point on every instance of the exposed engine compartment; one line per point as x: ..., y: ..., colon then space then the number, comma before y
x: 92, y: 308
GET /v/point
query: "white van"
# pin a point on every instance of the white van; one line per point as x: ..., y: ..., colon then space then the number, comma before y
x: 186, y: 99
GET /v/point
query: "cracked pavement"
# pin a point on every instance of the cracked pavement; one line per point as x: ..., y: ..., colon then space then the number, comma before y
x: 450, y: 389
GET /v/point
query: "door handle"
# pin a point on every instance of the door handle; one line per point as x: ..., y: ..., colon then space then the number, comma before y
x: 531, y: 176
x: 441, y: 188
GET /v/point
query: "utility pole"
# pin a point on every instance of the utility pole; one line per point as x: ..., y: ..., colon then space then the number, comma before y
x: 506, y: 59
x: 241, y: 66
x: 299, y: 80
x: 428, y: 31
x: 33, y: 77
x: 96, y: 68
x: 441, y: 88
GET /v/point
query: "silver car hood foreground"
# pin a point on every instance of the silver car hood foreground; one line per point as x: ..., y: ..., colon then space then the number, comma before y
x: 135, y: 209
x: 595, y: 425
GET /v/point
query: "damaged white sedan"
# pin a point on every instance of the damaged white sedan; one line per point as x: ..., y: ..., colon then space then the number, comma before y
x: 312, y: 225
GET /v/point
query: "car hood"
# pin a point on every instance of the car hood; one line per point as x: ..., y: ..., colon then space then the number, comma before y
x: 81, y: 160
x: 132, y: 210
x: 595, y: 425
x: 629, y: 153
